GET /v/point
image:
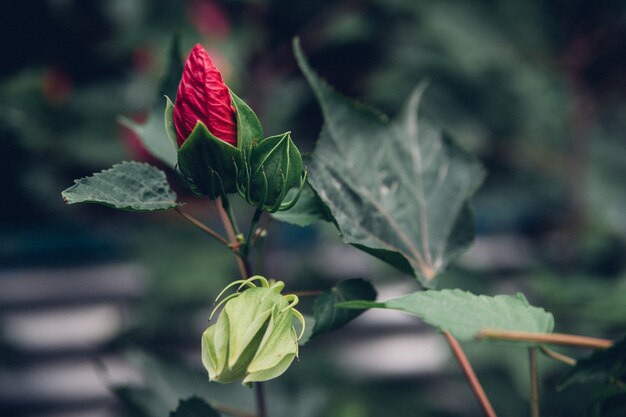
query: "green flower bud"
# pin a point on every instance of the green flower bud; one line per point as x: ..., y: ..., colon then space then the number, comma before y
x: 274, y: 167
x: 254, y: 338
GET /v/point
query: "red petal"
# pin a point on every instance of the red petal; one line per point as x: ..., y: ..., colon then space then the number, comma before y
x: 203, y: 96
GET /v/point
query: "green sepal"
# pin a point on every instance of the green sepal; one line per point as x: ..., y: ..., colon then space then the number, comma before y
x: 275, y: 167
x: 169, y: 122
x: 249, y: 129
x: 207, y: 164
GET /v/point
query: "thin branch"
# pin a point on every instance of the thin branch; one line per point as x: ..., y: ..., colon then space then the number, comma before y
x: 550, y: 338
x: 230, y: 232
x: 470, y: 375
x: 534, y: 382
x: 202, y: 226
x: 558, y: 356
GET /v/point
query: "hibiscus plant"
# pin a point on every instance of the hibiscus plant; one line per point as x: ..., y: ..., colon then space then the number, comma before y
x: 398, y: 189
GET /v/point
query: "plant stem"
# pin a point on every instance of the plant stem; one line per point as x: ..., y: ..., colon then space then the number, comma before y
x: 255, y: 220
x: 230, y: 232
x: 534, y: 382
x: 229, y: 212
x: 202, y: 227
x: 558, y: 356
x: 259, y: 391
x: 470, y: 375
x: 245, y: 270
x: 551, y: 338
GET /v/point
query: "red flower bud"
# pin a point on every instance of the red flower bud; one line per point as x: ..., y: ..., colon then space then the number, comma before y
x: 203, y: 97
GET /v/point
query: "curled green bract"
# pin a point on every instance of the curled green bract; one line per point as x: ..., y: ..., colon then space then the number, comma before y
x: 254, y: 337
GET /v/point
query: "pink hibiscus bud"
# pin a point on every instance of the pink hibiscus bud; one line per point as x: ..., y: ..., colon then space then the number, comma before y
x: 203, y: 97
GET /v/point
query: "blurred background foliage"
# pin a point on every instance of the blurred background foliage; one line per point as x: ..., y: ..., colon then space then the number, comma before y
x: 537, y: 90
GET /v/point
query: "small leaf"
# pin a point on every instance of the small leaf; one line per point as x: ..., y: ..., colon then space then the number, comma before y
x: 327, y: 316
x: 398, y: 190
x: 601, y: 365
x: 194, y: 407
x: 464, y: 314
x: 129, y: 186
x: 308, y: 209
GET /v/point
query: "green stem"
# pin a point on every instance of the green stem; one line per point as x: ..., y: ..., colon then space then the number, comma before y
x: 245, y: 269
x: 534, y: 382
x: 249, y: 238
x: 229, y: 212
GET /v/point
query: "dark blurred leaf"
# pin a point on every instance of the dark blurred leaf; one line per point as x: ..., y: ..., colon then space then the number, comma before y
x: 129, y: 186
x: 152, y: 133
x: 601, y: 365
x: 137, y: 402
x: 168, y: 380
x: 397, y: 190
x: 307, y: 210
x: 194, y: 407
x: 327, y: 316
x: 174, y: 71
x: 608, y: 400
x: 464, y: 314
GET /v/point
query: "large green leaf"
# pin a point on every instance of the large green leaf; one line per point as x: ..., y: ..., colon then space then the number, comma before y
x: 396, y: 189
x: 129, y: 186
x: 327, y: 316
x: 194, y: 407
x: 464, y: 314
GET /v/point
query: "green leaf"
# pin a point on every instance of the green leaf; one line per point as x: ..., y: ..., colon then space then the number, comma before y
x: 464, y: 314
x: 129, y: 186
x: 327, y: 316
x: 601, y: 365
x: 398, y: 190
x: 307, y: 210
x: 194, y: 407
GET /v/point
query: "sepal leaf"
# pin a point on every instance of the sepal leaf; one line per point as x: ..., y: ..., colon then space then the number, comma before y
x: 249, y: 129
x: 207, y: 164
